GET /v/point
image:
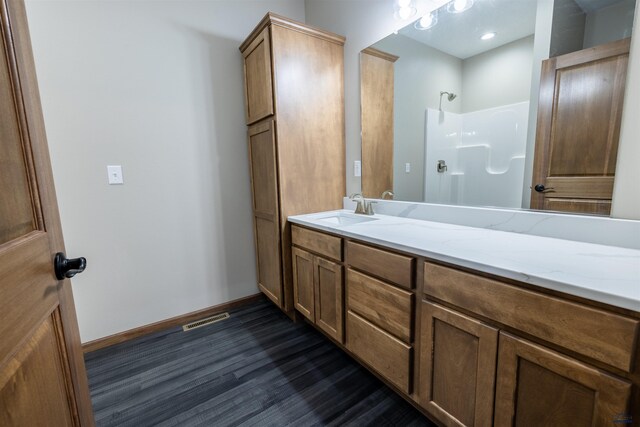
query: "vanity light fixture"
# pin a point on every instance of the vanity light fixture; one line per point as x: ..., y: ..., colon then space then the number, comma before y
x: 488, y: 36
x: 458, y: 6
x: 404, y: 9
x: 427, y: 21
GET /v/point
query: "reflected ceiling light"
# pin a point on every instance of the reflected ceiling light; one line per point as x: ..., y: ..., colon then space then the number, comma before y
x: 488, y: 36
x: 457, y: 6
x: 404, y: 9
x: 427, y: 21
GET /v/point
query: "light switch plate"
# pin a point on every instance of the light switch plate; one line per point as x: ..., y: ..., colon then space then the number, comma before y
x: 114, y: 173
x: 407, y: 167
x: 357, y: 168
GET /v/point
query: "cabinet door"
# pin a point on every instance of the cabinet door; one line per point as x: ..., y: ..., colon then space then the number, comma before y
x: 257, y: 78
x: 303, y: 283
x: 537, y: 386
x: 264, y: 187
x: 328, y: 297
x: 457, y: 367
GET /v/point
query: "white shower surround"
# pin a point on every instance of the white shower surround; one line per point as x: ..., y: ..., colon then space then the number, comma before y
x: 484, y: 151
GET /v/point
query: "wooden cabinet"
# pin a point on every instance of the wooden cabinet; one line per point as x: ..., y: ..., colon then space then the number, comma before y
x: 538, y: 386
x: 461, y: 356
x: 328, y: 297
x: 458, y: 359
x: 598, y: 334
x: 258, y: 78
x: 488, y: 351
x: 383, y: 352
x: 392, y: 267
x: 318, y: 287
x: 304, y: 283
x: 264, y: 185
x: 380, y: 309
x: 294, y: 99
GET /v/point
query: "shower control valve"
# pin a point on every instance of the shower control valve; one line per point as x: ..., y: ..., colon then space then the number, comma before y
x: 442, y: 166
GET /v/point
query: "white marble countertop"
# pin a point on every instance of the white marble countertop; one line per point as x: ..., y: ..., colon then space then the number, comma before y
x: 601, y: 273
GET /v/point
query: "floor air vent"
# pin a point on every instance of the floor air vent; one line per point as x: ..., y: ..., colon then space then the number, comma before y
x: 204, y: 322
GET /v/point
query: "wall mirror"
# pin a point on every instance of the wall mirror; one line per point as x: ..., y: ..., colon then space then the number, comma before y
x: 498, y: 103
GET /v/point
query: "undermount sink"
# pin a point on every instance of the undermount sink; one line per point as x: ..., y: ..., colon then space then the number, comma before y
x: 344, y: 218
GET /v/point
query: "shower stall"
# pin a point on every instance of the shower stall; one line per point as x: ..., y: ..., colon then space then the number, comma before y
x: 476, y: 158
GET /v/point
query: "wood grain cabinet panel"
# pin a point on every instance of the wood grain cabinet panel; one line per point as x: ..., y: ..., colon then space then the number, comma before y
x: 328, y: 297
x: 384, y: 353
x: 294, y: 79
x: 607, y: 337
x: 386, y: 306
x: 262, y: 153
x: 320, y: 243
x: 318, y: 289
x: 258, y: 78
x: 390, y: 266
x: 303, y: 283
x: 457, y: 367
x: 539, y: 387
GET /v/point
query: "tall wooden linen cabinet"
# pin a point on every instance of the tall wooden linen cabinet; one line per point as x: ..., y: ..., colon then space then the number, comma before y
x: 294, y: 104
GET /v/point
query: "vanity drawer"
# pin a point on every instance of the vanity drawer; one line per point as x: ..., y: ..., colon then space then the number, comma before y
x: 386, y: 306
x: 595, y: 333
x: 320, y: 243
x: 386, y: 354
x: 390, y: 266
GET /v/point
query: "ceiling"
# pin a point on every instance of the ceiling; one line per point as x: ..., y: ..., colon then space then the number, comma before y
x: 458, y: 34
x: 593, y: 5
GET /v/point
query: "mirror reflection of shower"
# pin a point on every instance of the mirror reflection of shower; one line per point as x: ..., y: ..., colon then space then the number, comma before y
x: 450, y: 97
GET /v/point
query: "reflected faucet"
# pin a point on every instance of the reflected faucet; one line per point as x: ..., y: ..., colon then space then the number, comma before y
x: 387, y: 193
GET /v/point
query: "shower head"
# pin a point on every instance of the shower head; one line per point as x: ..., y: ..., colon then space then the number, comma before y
x: 450, y: 97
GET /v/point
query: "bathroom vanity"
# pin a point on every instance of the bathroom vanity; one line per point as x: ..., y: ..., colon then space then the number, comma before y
x: 476, y: 326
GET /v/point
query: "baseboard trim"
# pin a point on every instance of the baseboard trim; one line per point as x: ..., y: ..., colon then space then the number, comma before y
x: 167, y: 323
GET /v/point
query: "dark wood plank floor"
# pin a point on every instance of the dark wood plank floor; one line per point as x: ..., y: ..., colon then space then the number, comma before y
x: 255, y: 368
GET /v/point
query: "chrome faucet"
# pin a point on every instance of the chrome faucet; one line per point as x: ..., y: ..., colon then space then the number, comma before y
x: 360, y: 207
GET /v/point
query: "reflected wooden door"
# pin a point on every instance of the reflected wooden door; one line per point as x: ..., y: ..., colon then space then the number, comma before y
x: 579, y: 114
x: 42, y: 374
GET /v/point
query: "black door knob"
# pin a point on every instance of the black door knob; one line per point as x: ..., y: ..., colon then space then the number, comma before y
x: 540, y: 188
x: 65, y: 267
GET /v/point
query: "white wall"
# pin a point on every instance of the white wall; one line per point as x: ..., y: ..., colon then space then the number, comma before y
x: 362, y: 22
x: 420, y: 73
x: 626, y: 190
x: 541, y: 46
x: 609, y: 24
x: 501, y: 76
x: 157, y: 88
x: 567, y: 31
